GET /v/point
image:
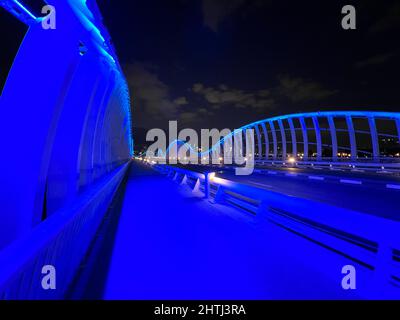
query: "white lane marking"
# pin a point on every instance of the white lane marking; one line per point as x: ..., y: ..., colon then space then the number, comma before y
x: 272, y: 172
x: 393, y: 186
x: 316, y: 178
x: 260, y: 184
x: 350, y: 181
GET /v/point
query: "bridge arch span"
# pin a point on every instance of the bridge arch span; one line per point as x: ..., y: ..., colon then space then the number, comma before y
x: 351, y: 136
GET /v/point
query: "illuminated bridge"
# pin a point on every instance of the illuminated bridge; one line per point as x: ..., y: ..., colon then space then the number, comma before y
x: 322, y: 199
x: 326, y: 136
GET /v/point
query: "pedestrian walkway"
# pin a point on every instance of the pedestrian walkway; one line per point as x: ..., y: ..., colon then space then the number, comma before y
x: 171, y: 244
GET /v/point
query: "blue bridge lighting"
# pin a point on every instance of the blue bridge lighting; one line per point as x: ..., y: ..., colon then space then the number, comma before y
x: 318, y: 215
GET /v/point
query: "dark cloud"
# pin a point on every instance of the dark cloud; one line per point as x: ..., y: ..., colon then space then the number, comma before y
x: 192, y: 117
x: 153, y: 102
x: 375, y: 60
x: 181, y: 101
x: 215, y: 11
x: 149, y: 93
x: 223, y: 96
x: 388, y: 21
x: 295, y: 89
x: 299, y: 89
x: 188, y: 117
x: 198, y: 87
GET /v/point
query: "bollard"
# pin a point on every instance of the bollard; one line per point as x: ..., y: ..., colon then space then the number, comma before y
x: 206, y: 185
x: 207, y: 177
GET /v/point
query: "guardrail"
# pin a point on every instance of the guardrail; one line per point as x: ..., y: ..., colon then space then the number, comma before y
x: 60, y: 241
x: 366, y: 240
x: 345, y: 165
x: 384, y: 167
x: 198, y: 181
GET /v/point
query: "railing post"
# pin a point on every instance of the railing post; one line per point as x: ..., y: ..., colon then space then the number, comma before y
x: 398, y: 129
x: 305, y: 138
x: 318, y: 138
x: 271, y: 124
x: 332, y: 129
x: 207, y: 185
x: 219, y: 196
x: 267, y: 140
x: 196, y: 186
x: 184, y: 180
x: 374, y: 138
x: 259, y: 142
x: 293, y: 135
x: 283, y: 138
x: 352, y: 136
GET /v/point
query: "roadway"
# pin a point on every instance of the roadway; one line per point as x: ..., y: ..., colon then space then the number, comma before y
x: 371, y: 196
x: 379, y: 176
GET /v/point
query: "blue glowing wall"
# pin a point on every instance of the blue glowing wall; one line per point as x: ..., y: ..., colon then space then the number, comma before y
x: 65, y: 116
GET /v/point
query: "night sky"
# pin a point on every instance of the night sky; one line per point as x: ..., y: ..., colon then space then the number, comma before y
x: 225, y: 63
